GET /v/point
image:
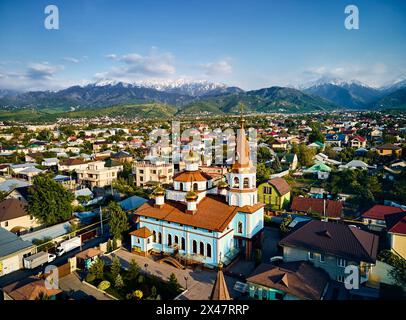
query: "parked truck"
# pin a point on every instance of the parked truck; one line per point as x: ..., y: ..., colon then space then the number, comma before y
x: 68, y: 245
x: 38, y: 259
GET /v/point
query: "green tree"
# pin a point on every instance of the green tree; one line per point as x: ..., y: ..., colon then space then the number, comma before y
x: 49, y: 201
x: 173, y: 283
x: 133, y: 270
x: 97, y: 269
x: 263, y: 172
x: 115, y: 267
x: 118, y: 220
x: 306, y: 155
x: 119, y: 283
x: 285, y: 223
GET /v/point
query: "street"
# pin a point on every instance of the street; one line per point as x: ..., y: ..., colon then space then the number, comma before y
x: 24, y: 273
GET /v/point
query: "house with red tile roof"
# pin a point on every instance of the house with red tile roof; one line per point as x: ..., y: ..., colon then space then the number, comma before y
x: 396, y: 228
x: 326, y: 208
x: 375, y: 216
x: 358, y: 142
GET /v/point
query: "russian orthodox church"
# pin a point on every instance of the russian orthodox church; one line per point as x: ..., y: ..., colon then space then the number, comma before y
x: 199, y: 221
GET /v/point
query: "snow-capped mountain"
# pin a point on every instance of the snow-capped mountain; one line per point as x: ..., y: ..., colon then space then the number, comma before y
x: 350, y: 94
x: 194, y: 88
x: 399, y: 83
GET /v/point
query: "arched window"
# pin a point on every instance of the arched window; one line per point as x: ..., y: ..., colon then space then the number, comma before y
x: 246, y: 183
x: 236, y: 182
x: 154, y: 236
x: 176, y: 240
x: 239, y: 227
x: 159, y: 238
x: 202, y: 248
x: 183, y: 245
x: 169, y: 240
x: 194, y: 246
x: 180, y: 186
x: 208, y: 250
x: 195, y: 186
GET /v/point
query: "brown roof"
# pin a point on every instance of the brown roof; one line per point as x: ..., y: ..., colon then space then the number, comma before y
x: 220, y: 290
x: 71, y: 162
x: 333, y: 208
x: 88, y: 253
x: 280, y: 185
x: 143, y: 232
x: 396, y: 223
x: 187, y: 176
x: 379, y: 212
x: 212, y: 213
x: 334, y: 239
x: 29, y: 289
x: 11, y: 209
x: 388, y: 146
x: 300, y: 279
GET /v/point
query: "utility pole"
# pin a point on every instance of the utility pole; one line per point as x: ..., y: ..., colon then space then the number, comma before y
x: 101, y: 221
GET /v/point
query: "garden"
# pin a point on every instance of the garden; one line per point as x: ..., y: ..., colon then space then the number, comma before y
x: 131, y: 283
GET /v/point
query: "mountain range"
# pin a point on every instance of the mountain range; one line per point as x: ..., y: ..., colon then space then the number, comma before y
x: 197, y: 97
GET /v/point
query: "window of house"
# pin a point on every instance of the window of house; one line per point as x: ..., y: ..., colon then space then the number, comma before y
x: 160, y: 238
x: 141, y: 179
x: 311, y: 255
x: 208, y: 250
x: 176, y: 239
x: 183, y: 245
x: 154, y: 236
x: 194, y: 246
x: 169, y: 240
x: 341, y: 262
x: 141, y: 171
x: 322, y: 257
x: 236, y: 182
x: 246, y: 183
x: 267, y: 190
x: 202, y: 248
x: 195, y: 187
x: 149, y: 240
x: 239, y: 227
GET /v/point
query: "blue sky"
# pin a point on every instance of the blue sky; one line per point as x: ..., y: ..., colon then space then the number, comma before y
x: 251, y: 44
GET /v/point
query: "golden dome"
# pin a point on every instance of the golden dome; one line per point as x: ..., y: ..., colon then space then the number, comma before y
x: 158, y: 191
x: 191, y: 196
x: 222, y: 185
x: 192, y: 157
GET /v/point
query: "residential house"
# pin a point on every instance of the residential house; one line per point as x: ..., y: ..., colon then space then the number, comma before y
x: 320, y: 169
x: 358, y: 142
x: 375, y: 216
x: 298, y: 280
x: 388, y: 149
x: 97, y: 175
x: 396, y: 228
x: 336, y: 139
x: 356, y: 164
x: 147, y: 172
x: 332, y: 246
x: 50, y: 162
x: 31, y: 288
x: 325, y: 208
x: 289, y: 161
x: 122, y: 156
x: 69, y: 165
x: 15, y: 218
x: 12, y: 251
x: 275, y: 193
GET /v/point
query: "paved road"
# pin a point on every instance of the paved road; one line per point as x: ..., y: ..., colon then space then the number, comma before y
x: 78, y: 290
x: 24, y: 273
x: 270, y: 243
x: 199, y: 283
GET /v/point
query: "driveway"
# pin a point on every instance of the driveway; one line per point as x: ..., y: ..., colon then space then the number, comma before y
x: 199, y: 283
x: 270, y: 243
x: 72, y: 285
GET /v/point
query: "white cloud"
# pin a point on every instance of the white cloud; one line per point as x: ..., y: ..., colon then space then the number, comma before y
x: 220, y: 67
x: 72, y: 60
x: 111, y: 56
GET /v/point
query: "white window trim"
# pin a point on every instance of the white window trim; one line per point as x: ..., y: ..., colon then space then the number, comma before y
x: 342, y: 265
x: 322, y: 255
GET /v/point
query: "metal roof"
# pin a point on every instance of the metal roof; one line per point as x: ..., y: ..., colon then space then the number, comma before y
x: 10, y: 243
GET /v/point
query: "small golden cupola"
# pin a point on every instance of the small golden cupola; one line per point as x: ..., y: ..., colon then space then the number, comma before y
x: 191, y: 198
x: 159, y: 195
x: 222, y: 188
x: 192, y: 160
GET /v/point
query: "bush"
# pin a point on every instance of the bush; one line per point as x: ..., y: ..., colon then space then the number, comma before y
x: 104, y: 285
x: 90, y: 277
